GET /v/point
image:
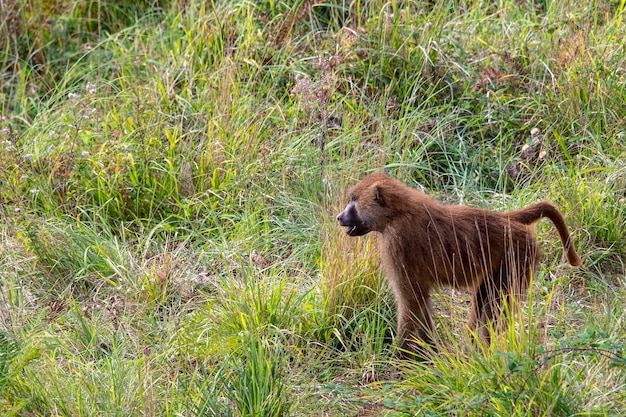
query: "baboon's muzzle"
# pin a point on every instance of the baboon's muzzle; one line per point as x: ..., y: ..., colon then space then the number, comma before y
x: 350, y: 219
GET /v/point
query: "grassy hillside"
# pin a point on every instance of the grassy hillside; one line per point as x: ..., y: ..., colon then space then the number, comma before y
x: 170, y: 174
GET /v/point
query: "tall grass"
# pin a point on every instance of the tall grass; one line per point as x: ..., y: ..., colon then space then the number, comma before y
x: 170, y: 174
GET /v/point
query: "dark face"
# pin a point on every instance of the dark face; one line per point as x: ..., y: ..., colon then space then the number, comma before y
x: 350, y: 219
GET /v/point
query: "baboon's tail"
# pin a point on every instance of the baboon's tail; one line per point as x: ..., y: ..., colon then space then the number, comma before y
x: 533, y: 213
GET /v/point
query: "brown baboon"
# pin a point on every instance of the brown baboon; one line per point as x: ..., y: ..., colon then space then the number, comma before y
x: 423, y: 243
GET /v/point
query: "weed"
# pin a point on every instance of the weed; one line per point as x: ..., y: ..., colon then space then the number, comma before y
x: 170, y: 173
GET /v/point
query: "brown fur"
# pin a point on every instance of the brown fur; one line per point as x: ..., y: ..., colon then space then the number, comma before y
x: 424, y: 243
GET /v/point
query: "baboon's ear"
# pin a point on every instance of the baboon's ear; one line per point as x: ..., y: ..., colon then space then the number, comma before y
x: 378, y: 196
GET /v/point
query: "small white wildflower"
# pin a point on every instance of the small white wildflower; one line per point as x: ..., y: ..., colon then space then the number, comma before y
x: 9, y: 148
x: 91, y: 88
x: 534, y: 131
x: 85, y: 153
x: 28, y: 156
x: 93, y: 110
x: 52, y: 133
x: 17, y: 210
x: 3, y: 119
x: 34, y: 191
x: 526, y: 146
x: 5, y: 131
x: 73, y: 96
x: 24, y: 177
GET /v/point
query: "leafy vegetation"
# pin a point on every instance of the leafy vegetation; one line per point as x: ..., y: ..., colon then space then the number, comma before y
x: 170, y: 173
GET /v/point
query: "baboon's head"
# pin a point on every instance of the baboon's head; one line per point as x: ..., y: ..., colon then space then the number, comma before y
x: 367, y: 210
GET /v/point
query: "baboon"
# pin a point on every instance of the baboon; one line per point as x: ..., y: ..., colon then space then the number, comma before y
x: 424, y: 243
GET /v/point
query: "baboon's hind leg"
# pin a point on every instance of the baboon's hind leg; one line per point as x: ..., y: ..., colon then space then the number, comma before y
x: 497, y: 292
x: 487, y: 302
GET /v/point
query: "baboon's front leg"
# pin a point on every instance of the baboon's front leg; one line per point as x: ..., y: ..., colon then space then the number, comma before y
x: 415, y: 323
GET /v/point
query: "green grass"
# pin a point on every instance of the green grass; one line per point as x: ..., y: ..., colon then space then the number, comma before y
x: 170, y: 173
